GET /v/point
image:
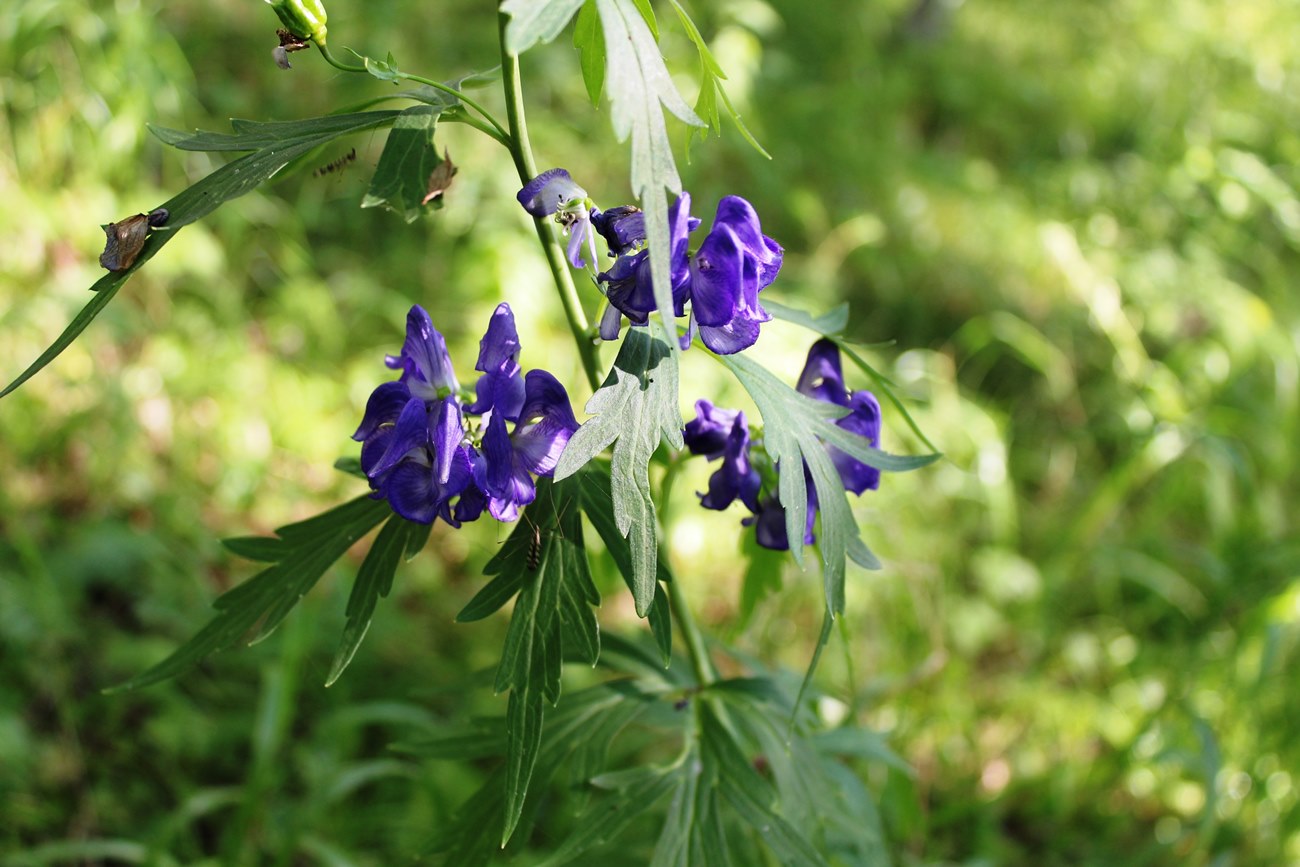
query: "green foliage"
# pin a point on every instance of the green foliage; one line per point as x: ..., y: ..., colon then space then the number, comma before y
x: 275, y: 146
x: 633, y: 410
x: 301, y: 553
x: 796, y: 430
x: 401, y: 180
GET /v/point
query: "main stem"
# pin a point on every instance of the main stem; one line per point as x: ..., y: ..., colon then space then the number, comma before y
x: 522, y: 152
x: 701, y: 663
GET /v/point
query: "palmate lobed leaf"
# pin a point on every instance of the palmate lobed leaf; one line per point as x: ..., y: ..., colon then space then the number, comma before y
x: 711, y: 89
x: 534, y: 21
x: 633, y: 410
x: 598, y: 504
x: 251, y: 611
x: 640, y: 90
x: 587, y: 720
x: 832, y: 325
x: 228, y: 182
x: 399, y: 539
x: 795, y: 431
x: 545, y: 562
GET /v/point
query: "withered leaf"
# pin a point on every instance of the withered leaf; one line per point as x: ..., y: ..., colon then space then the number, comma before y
x: 440, y: 179
x: 125, y: 239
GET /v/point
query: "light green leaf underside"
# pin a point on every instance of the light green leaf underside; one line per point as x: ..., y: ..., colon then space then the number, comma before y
x: 633, y: 410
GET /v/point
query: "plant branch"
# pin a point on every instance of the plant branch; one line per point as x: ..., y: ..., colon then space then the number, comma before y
x: 497, y: 131
x: 526, y: 166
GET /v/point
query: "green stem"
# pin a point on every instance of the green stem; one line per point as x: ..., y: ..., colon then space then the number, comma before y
x: 701, y: 663
x: 498, y: 132
x: 522, y: 151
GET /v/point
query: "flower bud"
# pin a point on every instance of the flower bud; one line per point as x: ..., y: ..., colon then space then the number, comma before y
x: 303, y: 18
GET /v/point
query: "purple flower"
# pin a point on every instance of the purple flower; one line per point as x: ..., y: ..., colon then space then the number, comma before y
x: 823, y: 379
x: 717, y: 432
x: 419, y: 452
x: 623, y: 228
x: 720, y: 281
x: 424, y: 362
x: 549, y: 192
x: 628, y: 283
x: 735, y: 477
x: 500, y: 388
x: 768, y: 522
x: 735, y: 263
x: 508, y: 463
x: 555, y: 192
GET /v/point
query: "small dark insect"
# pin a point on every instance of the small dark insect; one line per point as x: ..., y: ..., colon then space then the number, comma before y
x: 288, y: 42
x: 125, y: 239
x: 681, y: 704
x: 534, y: 547
x: 338, y: 165
x: 440, y: 179
x: 535, y: 544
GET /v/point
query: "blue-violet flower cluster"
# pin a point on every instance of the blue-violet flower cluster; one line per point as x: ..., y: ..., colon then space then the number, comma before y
x: 724, y: 433
x: 719, y: 282
x: 424, y: 446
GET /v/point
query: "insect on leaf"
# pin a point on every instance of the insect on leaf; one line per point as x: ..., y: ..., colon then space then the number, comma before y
x: 275, y: 146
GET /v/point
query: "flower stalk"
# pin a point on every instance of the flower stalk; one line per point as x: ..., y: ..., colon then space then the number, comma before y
x: 522, y: 152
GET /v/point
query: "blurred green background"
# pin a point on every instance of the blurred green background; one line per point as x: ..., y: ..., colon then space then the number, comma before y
x: 1069, y: 230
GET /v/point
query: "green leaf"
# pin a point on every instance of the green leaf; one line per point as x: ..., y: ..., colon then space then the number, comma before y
x: 545, y: 560
x: 251, y: 611
x: 254, y: 135
x: 263, y: 549
x: 350, y: 465
x: 374, y: 581
x: 533, y: 21
x: 605, y: 821
x: 633, y: 410
x: 828, y: 324
x: 584, y: 721
x: 276, y: 145
x: 640, y: 88
x: 401, y: 180
x: 752, y: 797
x: 384, y: 70
x: 648, y: 16
x: 590, y: 42
x: 795, y: 429
x: 598, y: 504
x: 711, y: 89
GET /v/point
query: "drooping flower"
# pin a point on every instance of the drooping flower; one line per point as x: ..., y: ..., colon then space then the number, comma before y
x: 623, y: 228
x: 419, y: 450
x: 717, y: 432
x: 718, y: 285
x: 723, y: 433
x: 823, y: 379
x: 628, y: 284
x: 735, y: 263
x: 720, y: 282
x: 500, y: 388
x: 555, y: 192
